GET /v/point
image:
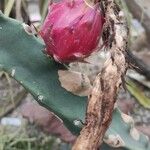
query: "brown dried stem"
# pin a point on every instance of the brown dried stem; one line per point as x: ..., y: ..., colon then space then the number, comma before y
x: 102, y: 99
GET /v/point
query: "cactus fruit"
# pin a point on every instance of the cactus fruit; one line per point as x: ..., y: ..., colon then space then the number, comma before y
x: 72, y: 30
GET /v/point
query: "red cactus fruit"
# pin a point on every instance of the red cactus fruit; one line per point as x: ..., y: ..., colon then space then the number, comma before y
x: 72, y: 30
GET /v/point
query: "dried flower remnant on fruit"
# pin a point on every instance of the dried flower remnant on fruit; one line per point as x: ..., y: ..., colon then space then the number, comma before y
x: 72, y: 30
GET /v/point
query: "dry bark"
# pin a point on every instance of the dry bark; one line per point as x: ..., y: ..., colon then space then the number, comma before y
x: 102, y: 99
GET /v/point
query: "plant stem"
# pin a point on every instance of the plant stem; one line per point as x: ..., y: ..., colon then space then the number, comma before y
x: 107, y: 83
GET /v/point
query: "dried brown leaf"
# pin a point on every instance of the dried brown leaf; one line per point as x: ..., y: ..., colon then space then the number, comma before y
x: 75, y: 82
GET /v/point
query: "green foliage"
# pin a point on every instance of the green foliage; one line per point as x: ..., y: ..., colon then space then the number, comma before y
x: 14, y: 138
x: 8, y: 7
x: 135, y: 90
x: 21, y: 56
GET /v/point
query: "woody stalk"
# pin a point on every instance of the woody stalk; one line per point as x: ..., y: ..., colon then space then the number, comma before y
x: 107, y: 83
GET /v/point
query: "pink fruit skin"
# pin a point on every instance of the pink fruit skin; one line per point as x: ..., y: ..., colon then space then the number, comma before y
x: 72, y: 30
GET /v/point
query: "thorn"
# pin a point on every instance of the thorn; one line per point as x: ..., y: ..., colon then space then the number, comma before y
x: 35, y: 28
x: 56, y: 58
x: 66, y: 66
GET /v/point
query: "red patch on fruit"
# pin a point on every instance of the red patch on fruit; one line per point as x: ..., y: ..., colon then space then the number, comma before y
x: 72, y: 30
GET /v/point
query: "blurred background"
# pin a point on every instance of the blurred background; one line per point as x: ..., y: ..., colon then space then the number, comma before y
x: 24, y: 125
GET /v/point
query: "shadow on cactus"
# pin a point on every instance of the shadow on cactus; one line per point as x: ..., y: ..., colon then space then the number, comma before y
x: 21, y: 56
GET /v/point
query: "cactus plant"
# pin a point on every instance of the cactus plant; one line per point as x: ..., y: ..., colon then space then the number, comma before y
x: 21, y: 56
